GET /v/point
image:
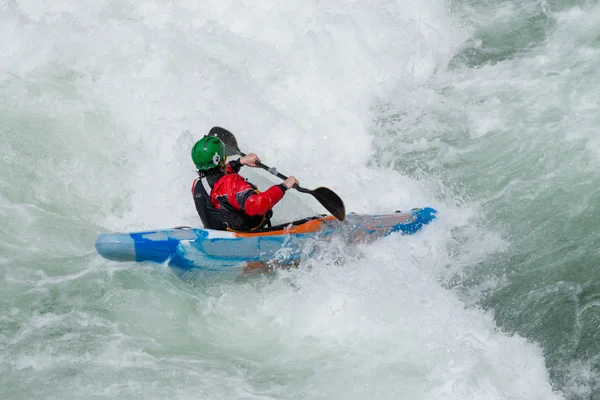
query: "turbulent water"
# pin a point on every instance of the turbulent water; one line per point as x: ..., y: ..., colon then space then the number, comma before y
x: 485, y: 110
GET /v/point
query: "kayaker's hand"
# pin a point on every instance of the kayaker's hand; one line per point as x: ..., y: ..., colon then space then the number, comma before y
x: 250, y: 160
x: 291, y: 182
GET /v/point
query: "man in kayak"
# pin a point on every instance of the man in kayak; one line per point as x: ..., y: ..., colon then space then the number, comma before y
x: 224, y: 199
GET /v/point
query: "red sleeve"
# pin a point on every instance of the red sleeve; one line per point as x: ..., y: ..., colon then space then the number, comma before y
x: 242, y: 196
x: 260, y: 203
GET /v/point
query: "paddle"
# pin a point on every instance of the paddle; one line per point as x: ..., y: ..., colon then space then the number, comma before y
x: 331, y: 201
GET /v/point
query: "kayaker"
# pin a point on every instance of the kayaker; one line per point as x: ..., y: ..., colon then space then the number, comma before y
x: 224, y: 199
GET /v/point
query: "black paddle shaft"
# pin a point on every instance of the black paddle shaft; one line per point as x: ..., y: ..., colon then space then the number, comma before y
x: 273, y: 171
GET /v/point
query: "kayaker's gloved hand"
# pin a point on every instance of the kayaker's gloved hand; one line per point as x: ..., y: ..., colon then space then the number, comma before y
x: 250, y: 160
x: 291, y: 182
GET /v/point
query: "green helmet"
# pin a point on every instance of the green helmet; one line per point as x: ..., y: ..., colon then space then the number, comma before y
x: 208, y: 152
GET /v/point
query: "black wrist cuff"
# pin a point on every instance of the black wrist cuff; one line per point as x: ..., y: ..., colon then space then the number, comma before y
x: 282, y: 187
x: 235, y: 165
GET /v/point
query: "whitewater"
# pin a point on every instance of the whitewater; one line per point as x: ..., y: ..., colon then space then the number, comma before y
x: 486, y: 111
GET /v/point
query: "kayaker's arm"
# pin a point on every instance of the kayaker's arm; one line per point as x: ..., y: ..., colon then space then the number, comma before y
x: 243, y: 196
x: 254, y: 203
x: 260, y: 203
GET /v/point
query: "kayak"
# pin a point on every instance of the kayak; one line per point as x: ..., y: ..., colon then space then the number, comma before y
x: 279, y: 246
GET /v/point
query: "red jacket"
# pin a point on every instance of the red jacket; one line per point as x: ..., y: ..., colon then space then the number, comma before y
x: 243, y: 196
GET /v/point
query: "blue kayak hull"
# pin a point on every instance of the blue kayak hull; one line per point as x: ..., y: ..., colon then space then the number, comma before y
x: 211, y: 250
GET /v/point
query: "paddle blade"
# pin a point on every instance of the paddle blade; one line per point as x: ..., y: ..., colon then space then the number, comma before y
x: 331, y: 201
x: 231, y: 146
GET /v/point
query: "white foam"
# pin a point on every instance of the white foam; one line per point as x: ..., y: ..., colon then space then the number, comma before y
x: 296, y: 83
